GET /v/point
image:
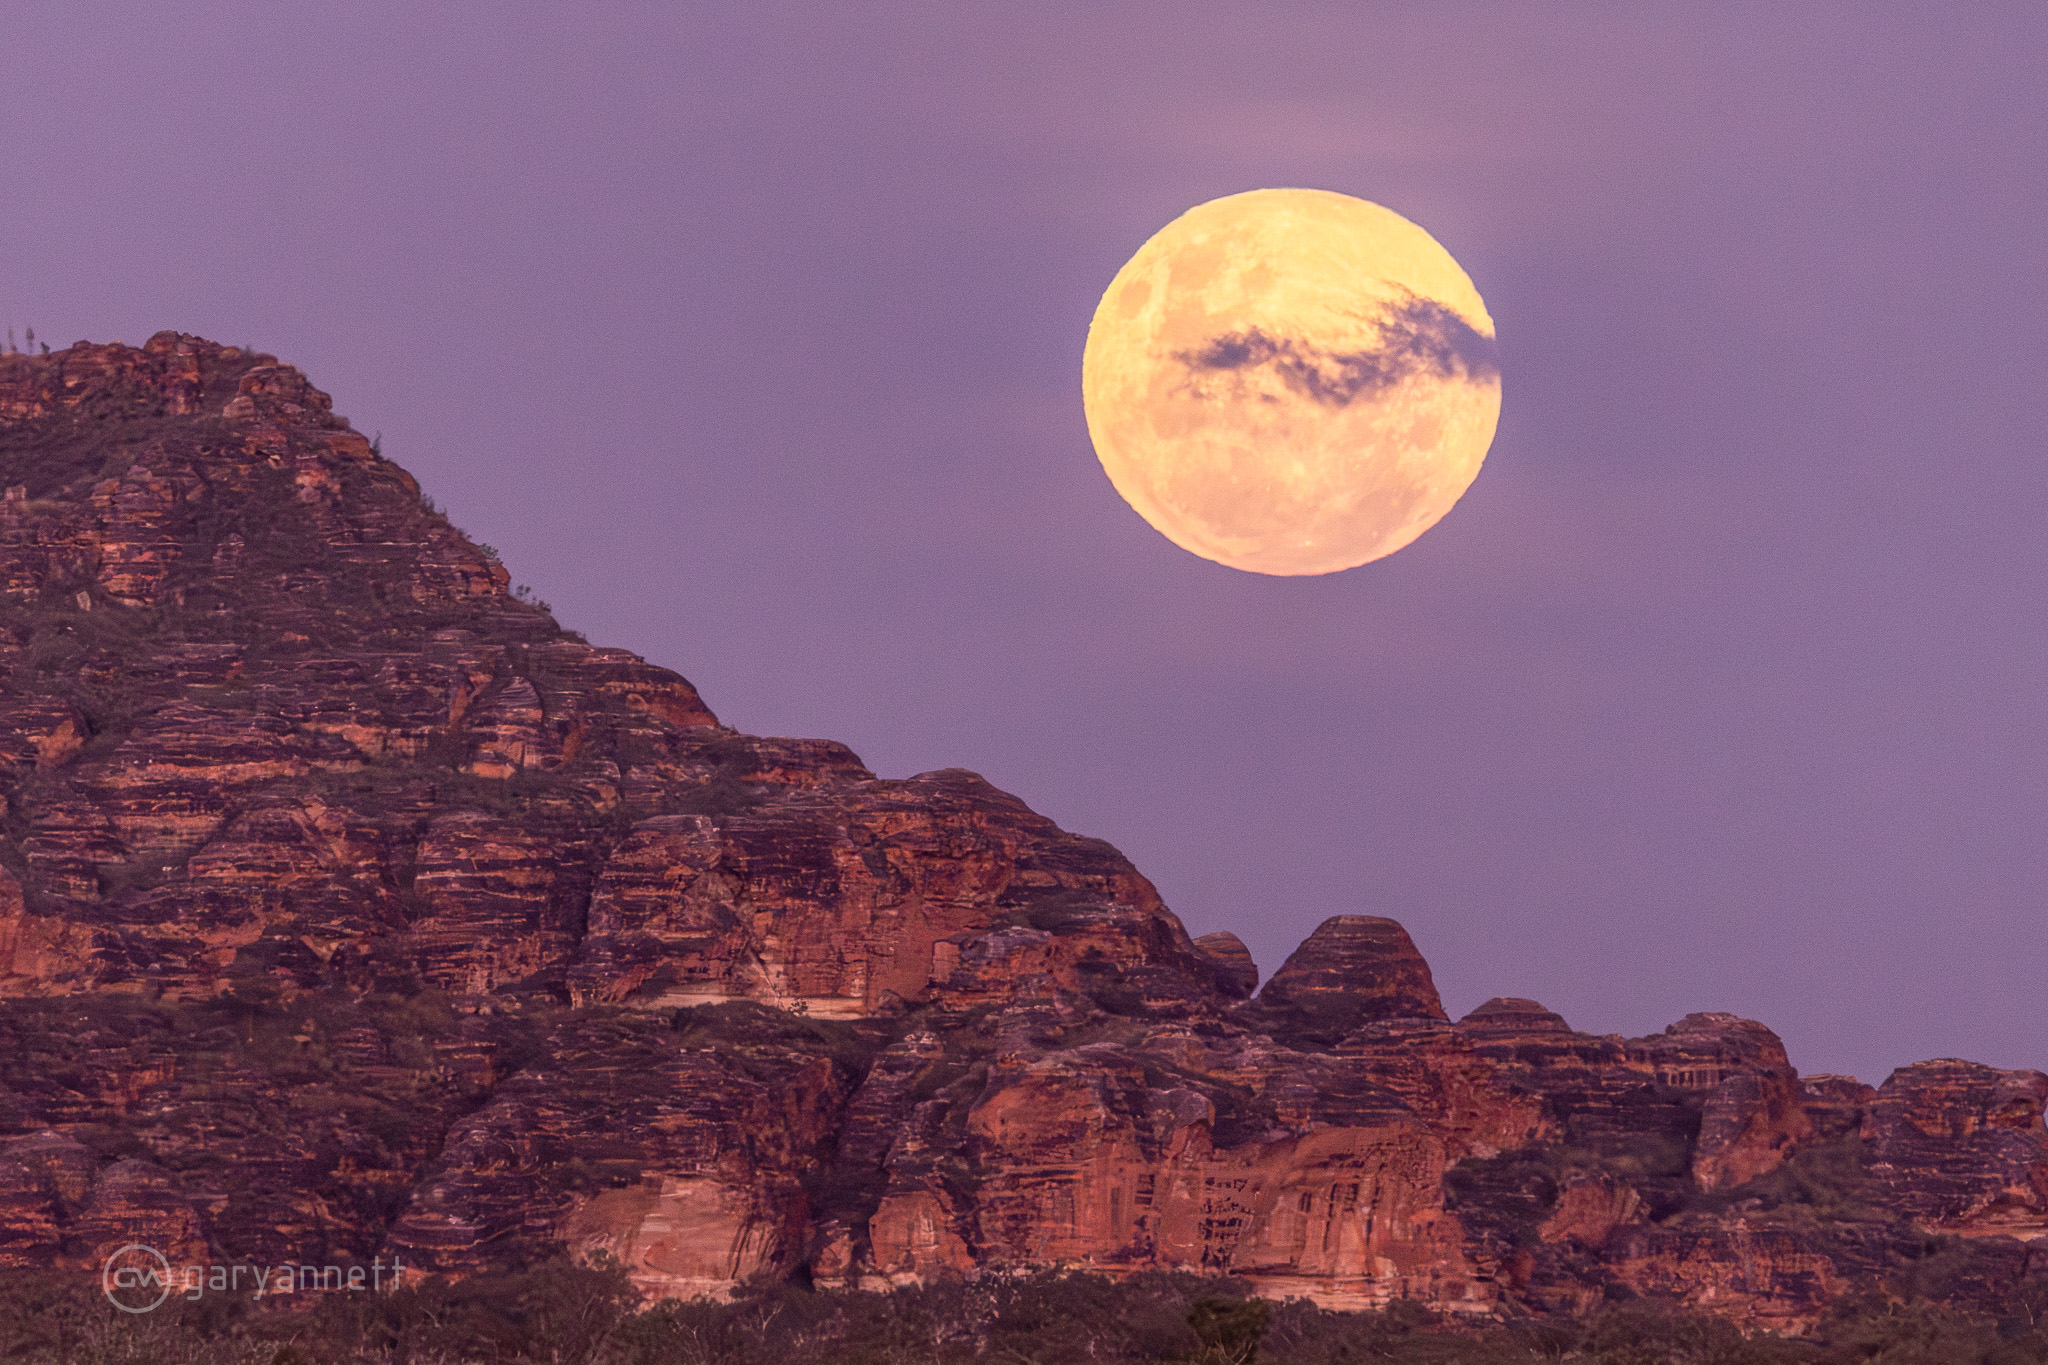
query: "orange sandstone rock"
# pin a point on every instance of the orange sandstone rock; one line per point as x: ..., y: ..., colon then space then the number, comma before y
x: 1352, y: 969
x: 1239, y: 971
x: 351, y: 907
x: 1962, y: 1147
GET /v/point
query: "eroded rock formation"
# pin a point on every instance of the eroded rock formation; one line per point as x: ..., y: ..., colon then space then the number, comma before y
x: 350, y: 908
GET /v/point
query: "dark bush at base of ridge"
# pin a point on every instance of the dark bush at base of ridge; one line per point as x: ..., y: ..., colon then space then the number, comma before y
x: 576, y: 1315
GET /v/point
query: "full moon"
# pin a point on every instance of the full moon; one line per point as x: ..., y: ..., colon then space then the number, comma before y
x: 1291, y: 381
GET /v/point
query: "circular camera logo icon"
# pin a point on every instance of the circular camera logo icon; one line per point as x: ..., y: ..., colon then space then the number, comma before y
x: 136, y: 1278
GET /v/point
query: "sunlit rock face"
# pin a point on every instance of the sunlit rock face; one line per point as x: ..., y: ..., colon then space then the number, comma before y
x: 352, y: 909
x: 1092, y: 1157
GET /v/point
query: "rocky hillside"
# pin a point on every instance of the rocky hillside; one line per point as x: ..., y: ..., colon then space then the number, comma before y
x: 351, y: 908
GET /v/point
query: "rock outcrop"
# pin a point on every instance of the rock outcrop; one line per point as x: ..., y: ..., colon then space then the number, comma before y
x: 1961, y: 1147
x: 1352, y: 969
x: 1240, y: 973
x: 350, y: 908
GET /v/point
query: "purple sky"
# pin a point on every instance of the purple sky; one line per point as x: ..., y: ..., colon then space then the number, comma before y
x: 753, y: 342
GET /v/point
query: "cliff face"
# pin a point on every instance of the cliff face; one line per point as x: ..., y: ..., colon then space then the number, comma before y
x: 350, y: 907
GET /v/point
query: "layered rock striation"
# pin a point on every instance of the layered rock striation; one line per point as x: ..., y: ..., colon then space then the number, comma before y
x: 351, y: 908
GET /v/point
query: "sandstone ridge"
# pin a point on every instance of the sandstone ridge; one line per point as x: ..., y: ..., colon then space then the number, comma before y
x: 351, y: 907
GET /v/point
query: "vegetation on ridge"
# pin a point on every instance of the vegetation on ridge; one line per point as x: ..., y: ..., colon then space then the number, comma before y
x: 579, y: 1315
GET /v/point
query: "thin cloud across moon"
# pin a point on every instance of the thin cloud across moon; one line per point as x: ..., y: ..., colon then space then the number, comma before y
x: 1291, y: 381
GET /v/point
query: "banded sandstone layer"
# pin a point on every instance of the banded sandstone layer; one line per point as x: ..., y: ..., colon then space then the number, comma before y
x: 351, y: 908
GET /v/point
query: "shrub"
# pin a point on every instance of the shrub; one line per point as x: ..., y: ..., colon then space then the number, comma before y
x: 574, y: 1314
